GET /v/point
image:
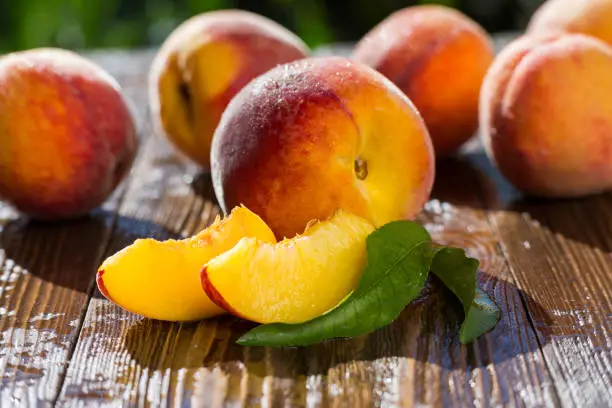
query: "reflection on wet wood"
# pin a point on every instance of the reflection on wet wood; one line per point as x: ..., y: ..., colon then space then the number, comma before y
x: 559, y: 253
x: 44, y: 290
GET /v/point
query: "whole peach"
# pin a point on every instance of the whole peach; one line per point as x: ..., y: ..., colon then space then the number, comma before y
x: 67, y: 136
x: 546, y: 115
x: 203, y: 64
x: 319, y: 134
x: 438, y: 57
x: 591, y: 17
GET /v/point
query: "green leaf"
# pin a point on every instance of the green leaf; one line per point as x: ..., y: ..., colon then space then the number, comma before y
x: 458, y: 273
x: 400, y: 255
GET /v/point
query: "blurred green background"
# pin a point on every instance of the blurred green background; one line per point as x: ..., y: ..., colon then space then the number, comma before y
x: 78, y: 24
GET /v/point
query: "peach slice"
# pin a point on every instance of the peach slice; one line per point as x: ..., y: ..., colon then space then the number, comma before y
x: 160, y: 279
x: 293, y: 280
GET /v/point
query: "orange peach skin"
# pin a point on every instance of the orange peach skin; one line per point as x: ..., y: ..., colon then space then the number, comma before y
x: 203, y: 64
x: 67, y: 137
x: 546, y: 115
x: 439, y: 58
x: 316, y: 135
x: 591, y: 17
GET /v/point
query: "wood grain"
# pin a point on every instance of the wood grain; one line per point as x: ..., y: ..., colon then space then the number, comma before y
x: 45, y: 284
x: 560, y: 256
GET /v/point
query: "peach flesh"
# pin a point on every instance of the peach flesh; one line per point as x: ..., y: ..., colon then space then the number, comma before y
x: 294, y: 280
x: 161, y: 280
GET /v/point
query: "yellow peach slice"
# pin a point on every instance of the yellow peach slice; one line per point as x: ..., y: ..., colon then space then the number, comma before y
x: 161, y: 279
x: 293, y: 280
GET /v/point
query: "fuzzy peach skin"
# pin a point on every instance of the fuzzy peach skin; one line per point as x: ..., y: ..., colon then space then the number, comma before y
x: 67, y: 137
x: 591, y: 17
x: 203, y: 64
x: 546, y: 115
x: 319, y: 134
x: 439, y: 58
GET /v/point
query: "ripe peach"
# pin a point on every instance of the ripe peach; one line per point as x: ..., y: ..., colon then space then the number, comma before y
x: 591, y: 17
x: 546, y: 115
x: 67, y: 137
x: 203, y: 64
x: 319, y: 134
x: 439, y: 58
x: 294, y: 280
x: 161, y: 279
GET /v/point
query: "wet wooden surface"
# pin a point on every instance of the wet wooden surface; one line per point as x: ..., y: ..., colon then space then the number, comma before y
x: 547, y: 264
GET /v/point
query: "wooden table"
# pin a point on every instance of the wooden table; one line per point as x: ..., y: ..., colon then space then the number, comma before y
x: 547, y: 264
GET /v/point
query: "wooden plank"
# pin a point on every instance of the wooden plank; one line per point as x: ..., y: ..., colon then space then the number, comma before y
x: 559, y: 252
x: 44, y: 293
x: 45, y: 281
x: 416, y: 361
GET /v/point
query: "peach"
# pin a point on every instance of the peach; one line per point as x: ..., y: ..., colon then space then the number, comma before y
x: 591, y: 17
x: 203, y: 64
x: 67, y: 136
x: 161, y: 280
x: 546, y: 115
x: 294, y: 280
x: 320, y: 134
x: 439, y: 58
